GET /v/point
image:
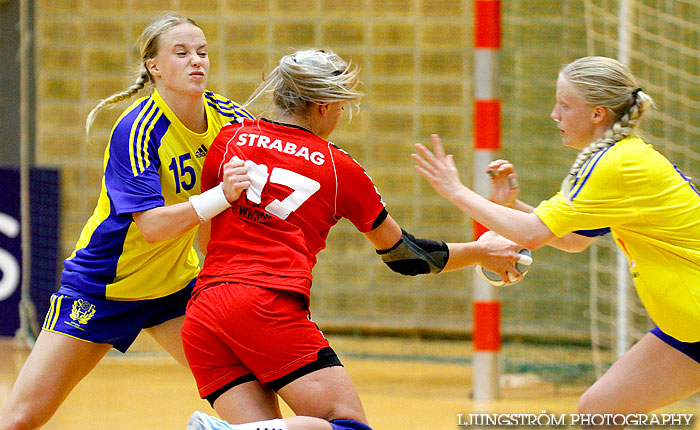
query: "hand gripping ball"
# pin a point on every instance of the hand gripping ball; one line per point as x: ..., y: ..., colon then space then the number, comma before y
x: 523, y: 265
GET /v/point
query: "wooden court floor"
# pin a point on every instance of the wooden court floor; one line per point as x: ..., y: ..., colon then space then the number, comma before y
x: 147, y: 390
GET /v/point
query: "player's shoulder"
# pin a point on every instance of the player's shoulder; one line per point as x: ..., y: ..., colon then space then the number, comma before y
x: 133, y: 112
x: 224, y: 106
x: 632, y: 154
x: 345, y: 162
x: 144, y: 117
x: 629, y: 147
x: 342, y: 154
x: 610, y: 160
x: 627, y: 162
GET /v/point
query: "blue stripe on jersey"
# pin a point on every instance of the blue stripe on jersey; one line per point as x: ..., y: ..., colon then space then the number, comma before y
x: 230, y: 114
x: 95, y: 266
x: 687, y: 179
x: 225, y: 107
x: 141, y: 132
x: 156, y: 132
x: 122, y: 131
x: 219, y: 103
x: 143, y: 127
x: 591, y: 162
x: 134, y: 135
x: 140, y: 141
x: 143, y: 192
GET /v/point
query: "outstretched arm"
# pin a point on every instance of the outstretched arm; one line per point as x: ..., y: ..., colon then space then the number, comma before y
x: 408, y: 255
x: 440, y: 170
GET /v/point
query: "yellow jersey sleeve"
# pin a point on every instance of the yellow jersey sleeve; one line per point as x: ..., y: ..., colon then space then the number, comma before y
x: 653, y: 212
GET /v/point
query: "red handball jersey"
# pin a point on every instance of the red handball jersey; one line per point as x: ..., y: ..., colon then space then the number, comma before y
x: 301, y: 185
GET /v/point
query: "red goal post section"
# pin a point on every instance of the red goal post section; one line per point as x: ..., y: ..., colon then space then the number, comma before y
x: 486, y: 305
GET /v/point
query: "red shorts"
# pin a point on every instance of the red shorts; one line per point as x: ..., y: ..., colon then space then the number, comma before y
x: 235, y: 333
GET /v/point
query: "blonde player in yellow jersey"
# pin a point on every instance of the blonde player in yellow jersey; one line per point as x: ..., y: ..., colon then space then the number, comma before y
x: 134, y: 266
x: 617, y: 184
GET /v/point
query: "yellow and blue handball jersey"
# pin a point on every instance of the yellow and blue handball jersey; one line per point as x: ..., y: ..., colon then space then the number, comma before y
x: 152, y: 160
x: 653, y: 212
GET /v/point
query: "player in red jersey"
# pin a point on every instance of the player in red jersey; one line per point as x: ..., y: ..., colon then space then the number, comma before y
x: 247, y: 331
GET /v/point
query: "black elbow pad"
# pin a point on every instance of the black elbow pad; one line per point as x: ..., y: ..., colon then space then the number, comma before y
x: 412, y: 256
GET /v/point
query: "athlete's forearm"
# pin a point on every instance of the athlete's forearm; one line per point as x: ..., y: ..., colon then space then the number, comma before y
x: 570, y: 242
x: 522, y: 206
x: 463, y: 255
x: 166, y: 222
x: 521, y: 227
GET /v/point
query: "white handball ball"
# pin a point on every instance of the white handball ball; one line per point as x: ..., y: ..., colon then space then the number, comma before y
x: 523, y: 265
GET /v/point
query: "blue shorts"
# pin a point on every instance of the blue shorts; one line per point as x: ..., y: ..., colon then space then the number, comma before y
x: 691, y: 349
x: 99, y: 320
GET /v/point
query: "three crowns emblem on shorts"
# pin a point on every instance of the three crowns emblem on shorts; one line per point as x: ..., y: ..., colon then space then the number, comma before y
x: 81, y: 312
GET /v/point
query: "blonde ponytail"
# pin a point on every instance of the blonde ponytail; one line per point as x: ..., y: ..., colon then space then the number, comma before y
x: 116, y: 98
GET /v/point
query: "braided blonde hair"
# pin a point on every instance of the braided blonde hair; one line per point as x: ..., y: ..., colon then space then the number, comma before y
x: 148, y: 48
x: 605, y: 82
x: 310, y: 77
